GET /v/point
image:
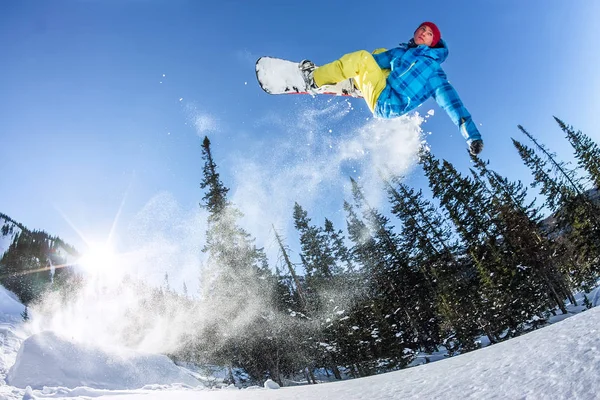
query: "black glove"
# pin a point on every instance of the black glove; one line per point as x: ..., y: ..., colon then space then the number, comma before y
x: 476, y: 146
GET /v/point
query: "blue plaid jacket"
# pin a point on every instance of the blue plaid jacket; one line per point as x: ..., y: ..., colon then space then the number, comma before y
x: 416, y: 75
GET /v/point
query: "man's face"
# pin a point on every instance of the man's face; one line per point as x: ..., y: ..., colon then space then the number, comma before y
x: 423, y: 35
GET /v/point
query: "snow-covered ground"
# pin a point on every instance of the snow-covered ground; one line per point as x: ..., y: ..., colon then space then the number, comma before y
x: 561, y: 361
x: 46, y: 359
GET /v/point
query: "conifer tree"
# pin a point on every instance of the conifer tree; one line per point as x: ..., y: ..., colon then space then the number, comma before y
x: 523, y: 239
x: 25, y: 314
x: 434, y: 254
x: 318, y: 261
x: 26, y: 265
x: 576, y: 219
x: 230, y: 246
x: 327, y: 290
x: 237, y: 282
x: 400, y: 305
x: 216, y: 193
x: 587, y: 151
x: 553, y: 190
x: 470, y: 207
x: 565, y: 176
x: 291, y: 292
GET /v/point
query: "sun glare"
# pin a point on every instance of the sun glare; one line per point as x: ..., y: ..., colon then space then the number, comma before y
x: 99, y: 257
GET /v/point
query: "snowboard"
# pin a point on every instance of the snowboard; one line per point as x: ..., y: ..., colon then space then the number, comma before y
x: 279, y: 76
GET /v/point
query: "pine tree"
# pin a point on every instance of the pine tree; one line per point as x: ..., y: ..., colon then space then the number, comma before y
x: 237, y: 281
x: 335, y: 242
x: 318, y: 255
x: 230, y: 247
x: 576, y: 220
x: 216, y: 194
x: 26, y: 265
x: 290, y: 292
x: 318, y: 262
x: 327, y: 286
x: 519, y: 226
x: 586, y: 151
x: 399, y: 307
x: 470, y: 207
x: 25, y: 314
x: 167, y: 285
x: 364, y: 343
x: 565, y: 176
x: 433, y: 253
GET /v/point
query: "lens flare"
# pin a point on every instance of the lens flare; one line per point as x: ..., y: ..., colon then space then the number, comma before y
x: 100, y: 257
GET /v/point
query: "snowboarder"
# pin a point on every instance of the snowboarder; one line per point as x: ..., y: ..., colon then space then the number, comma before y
x: 396, y: 81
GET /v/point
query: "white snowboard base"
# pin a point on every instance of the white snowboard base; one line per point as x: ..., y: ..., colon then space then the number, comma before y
x: 278, y: 76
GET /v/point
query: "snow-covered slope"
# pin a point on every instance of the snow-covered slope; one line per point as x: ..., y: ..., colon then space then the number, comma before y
x: 10, y: 338
x: 560, y: 361
x: 11, y: 310
x: 46, y: 359
x: 9, y: 230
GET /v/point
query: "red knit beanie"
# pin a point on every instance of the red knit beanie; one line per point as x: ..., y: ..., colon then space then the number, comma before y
x: 437, y: 35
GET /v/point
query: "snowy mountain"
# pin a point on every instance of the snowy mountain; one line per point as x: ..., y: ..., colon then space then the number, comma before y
x: 9, y: 230
x: 31, y: 261
x: 560, y: 361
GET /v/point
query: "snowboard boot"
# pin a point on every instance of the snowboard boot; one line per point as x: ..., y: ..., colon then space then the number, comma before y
x: 307, y: 68
x: 476, y: 146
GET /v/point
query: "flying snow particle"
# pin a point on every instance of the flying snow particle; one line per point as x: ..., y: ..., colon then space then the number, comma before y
x: 205, y: 123
x: 181, y: 99
x: 164, y: 75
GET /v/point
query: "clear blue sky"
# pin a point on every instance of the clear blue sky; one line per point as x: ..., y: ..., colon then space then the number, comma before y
x: 90, y: 126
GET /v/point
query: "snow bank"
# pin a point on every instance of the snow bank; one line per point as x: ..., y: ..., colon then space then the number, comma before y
x: 271, y: 384
x: 10, y: 306
x: 45, y: 359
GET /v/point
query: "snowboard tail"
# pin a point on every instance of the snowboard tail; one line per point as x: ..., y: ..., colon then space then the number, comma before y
x: 279, y: 76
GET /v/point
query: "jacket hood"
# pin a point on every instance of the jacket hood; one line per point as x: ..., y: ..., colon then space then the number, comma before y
x: 438, y: 53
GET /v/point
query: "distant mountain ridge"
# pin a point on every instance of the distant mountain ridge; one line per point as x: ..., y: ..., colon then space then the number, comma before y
x: 549, y: 223
x: 11, y: 229
x: 28, y: 259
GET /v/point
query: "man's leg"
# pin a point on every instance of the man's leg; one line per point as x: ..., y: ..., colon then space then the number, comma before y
x: 362, y: 67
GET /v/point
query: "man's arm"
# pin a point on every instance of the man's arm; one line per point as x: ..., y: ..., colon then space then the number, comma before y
x: 447, y: 98
x: 384, y: 57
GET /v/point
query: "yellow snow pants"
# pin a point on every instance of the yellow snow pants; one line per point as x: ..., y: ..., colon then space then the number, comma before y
x: 368, y: 77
